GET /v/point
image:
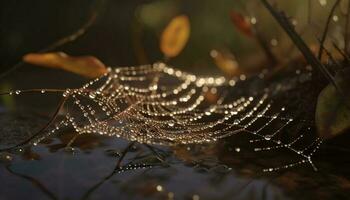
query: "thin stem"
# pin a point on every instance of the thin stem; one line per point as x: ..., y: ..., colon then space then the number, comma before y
x: 331, y: 57
x: 35, y: 182
x: 63, y: 41
x: 71, y: 141
x: 96, y: 186
x: 264, y: 45
x: 260, y: 39
x: 159, y: 157
x: 52, y: 119
x: 300, y: 43
x: 326, y: 28
x: 126, y: 150
x: 345, y: 56
x: 347, y: 31
x: 35, y: 91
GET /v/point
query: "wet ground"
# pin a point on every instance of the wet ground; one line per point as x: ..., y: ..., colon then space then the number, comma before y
x: 99, y: 167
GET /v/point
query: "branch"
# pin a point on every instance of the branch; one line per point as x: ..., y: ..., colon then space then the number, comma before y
x: 299, y: 42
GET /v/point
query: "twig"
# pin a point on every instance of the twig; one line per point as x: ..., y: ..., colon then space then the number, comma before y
x: 63, y: 41
x: 331, y: 56
x: 126, y: 150
x: 96, y: 186
x: 260, y: 39
x: 35, y: 91
x: 159, y: 157
x: 326, y: 28
x: 34, y: 182
x: 52, y: 119
x: 345, y: 56
x: 299, y: 42
x: 347, y: 31
x: 71, y: 141
x: 270, y: 56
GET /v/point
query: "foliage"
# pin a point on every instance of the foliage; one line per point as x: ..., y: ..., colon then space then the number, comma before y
x: 87, y: 66
x: 333, y: 110
x: 175, y: 36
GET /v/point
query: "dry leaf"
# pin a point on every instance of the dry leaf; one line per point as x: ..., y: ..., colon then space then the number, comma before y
x: 87, y: 66
x: 211, y: 97
x: 175, y: 36
x: 226, y: 62
x: 241, y: 23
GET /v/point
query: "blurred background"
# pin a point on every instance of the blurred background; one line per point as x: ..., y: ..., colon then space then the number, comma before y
x: 127, y: 32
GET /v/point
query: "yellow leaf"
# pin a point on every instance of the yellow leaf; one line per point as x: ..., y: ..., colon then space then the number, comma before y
x: 226, y: 62
x: 87, y: 66
x: 175, y: 36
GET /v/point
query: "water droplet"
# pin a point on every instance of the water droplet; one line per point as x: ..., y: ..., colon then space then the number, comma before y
x: 232, y: 82
x: 274, y: 42
x: 20, y: 150
x: 66, y: 93
x: 268, y: 137
x: 113, y: 153
x: 253, y: 20
x: 69, y: 149
x: 323, y: 2
x: 195, y: 197
x: 92, y: 95
x: 159, y: 188
x: 5, y: 157
x: 171, y: 195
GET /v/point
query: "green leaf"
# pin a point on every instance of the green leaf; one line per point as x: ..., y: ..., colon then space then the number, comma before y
x: 333, y: 110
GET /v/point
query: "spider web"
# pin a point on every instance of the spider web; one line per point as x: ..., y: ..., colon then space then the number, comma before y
x: 157, y: 104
